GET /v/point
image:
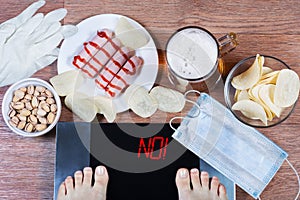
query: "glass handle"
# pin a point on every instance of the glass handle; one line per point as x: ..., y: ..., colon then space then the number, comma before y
x: 227, y: 43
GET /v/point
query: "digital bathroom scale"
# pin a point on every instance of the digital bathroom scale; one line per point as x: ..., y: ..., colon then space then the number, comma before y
x: 141, y: 159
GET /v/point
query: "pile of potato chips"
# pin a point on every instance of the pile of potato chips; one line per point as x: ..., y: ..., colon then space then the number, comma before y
x: 139, y: 100
x: 145, y: 104
x: 262, y: 93
x: 86, y: 107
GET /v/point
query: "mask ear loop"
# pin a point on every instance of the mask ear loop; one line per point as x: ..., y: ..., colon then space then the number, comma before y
x: 190, y: 101
x: 293, y: 168
x: 295, y: 171
x: 171, y: 120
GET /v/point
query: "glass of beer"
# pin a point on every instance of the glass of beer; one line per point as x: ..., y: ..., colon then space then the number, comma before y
x: 194, y: 56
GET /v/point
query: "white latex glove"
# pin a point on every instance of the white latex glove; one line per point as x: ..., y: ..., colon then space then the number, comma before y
x: 29, y: 42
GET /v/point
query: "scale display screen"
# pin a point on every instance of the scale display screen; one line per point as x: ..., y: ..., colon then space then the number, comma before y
x: 141, y: 159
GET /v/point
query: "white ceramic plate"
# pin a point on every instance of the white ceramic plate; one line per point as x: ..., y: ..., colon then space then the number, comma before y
x: 86, y: 31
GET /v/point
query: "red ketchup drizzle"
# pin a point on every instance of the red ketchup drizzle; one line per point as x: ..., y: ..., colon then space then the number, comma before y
x: 102, y: 34
x: 116, y: 63
x: 100, y: 49
x: 133, y: 68
x: 92, y: 56
x: 93, y: 44
x: 113, y: 44
x: 126, y: 58
x: 87, y: 72
x: 124, y: 54
x: 115, y: 75
x: 75, y: 61
x: 112, y: 94
x: 79, y: 59
x: 98, y: 82
x: 107, y: 81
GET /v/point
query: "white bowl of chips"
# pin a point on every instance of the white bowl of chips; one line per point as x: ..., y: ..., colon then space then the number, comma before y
x: 261, y: 91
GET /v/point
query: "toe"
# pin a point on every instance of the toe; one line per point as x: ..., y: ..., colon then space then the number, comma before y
x: 78, y: 178
x: 69, y: 184
x: 205, y: 180
x: 101, y: 179
x: 195, y: 179
x: 87, y: 176
x: 222, y: 192
x: 61, y: 191
x: 183, y: 180
x: 214, y: 185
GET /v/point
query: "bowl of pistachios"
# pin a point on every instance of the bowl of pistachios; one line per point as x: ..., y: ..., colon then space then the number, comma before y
x: 31, y: 107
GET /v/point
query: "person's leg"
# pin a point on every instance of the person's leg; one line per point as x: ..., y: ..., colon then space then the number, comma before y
x: 81, y: 187
x: 201, y: 190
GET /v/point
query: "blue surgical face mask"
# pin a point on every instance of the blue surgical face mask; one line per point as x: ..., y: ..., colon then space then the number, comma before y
x: 239, y: 152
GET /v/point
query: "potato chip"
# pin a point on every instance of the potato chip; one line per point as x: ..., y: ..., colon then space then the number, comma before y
x: 287, y: 88
x: 251, y: 97
x: 130, y: 90
x: 266, y: 94
x: 140, y: 102
x: 270, y: 74
x: 236, y: 94
x: 254, y: 95
x: 66, y: 83
x: 105, y: 107
x: 251, y: 76
x: 243, y: 95
x: 168, y: 100
x: 253, y: 110
x: 270, y: 80
x: 129, y: 35
x: 266, y: 70
x: 248, y: 115
x: 82, y: 105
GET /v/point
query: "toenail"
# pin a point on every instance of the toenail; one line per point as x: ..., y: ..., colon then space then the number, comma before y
x: 87, y: 169
x: 204, y: 173
x: 100, y: 171
x: 78, y: 172
x: 183, y: 173
x: 194, y: 171
x: 222, y: 188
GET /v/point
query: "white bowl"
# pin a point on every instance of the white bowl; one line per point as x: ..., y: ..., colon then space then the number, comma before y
x: 8, y: 98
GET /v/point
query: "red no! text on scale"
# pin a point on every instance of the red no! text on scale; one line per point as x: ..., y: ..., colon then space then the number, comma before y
x: 148, y: 150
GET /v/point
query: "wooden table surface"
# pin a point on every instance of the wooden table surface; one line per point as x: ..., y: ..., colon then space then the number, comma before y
x: 266, y: 27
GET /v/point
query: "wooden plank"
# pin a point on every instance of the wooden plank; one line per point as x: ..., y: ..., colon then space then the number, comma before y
x: 12, y: 8
x: 266, y: 17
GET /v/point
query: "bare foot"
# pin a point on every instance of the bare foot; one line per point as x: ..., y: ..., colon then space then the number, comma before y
x: 82, y: 188
x: 201, y: 189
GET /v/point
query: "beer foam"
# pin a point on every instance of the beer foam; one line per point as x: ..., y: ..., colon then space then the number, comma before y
x: 192, y: 54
